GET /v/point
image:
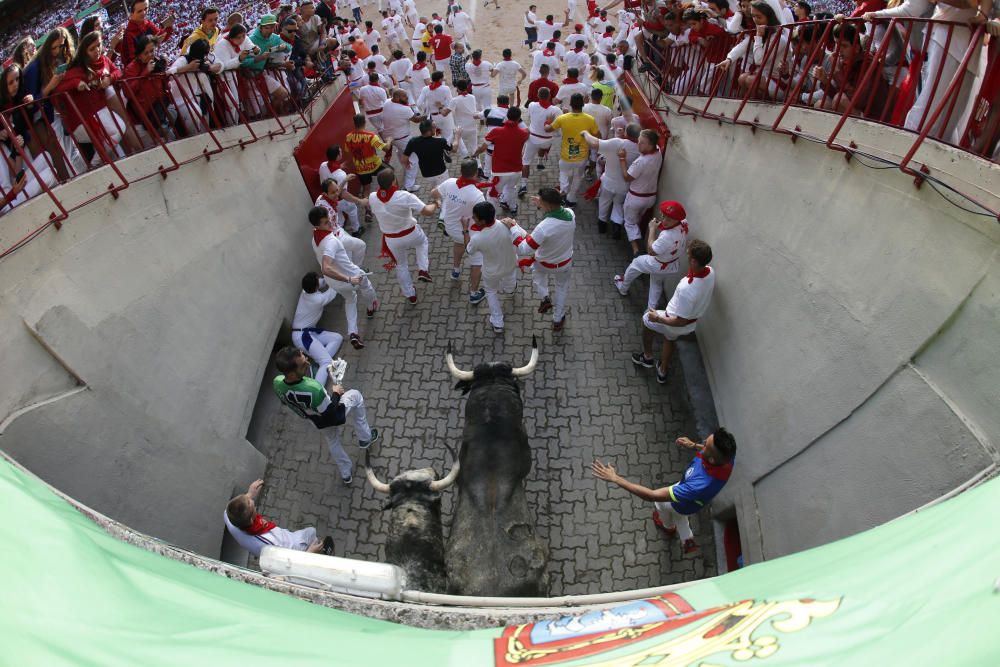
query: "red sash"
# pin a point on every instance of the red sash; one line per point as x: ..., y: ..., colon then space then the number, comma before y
x: 260, y: 526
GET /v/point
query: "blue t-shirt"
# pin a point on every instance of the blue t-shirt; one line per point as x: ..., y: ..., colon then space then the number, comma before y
x: 701, y: 483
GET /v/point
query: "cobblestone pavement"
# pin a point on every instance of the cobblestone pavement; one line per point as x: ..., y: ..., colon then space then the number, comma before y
x: 585, y: 399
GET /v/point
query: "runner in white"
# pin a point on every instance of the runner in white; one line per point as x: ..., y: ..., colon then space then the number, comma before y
x: 511, y: 75
x: 570, y: 86
x: 614, y: 189
x: 397, y: 122
x: 457, y: 197
x: 420, y: 78
x: 642, y: 177
x: 319, y: 345
x: 332, y: 168
x: 540, y: 114
x: 399, y: 70
x: 337, y: 209
x: 544, y: 56
x: 435, y: 102
x: 548, y: 27
x: 461, y: 23
x: 667, y: 243
x: 499, y: 258
x: 341, y: 273
x: 479, y: 76
x: 394, y: 210
x: 577, y: 57
x: 417, y: 36
x: 463, y: 108
x: 372, y: 98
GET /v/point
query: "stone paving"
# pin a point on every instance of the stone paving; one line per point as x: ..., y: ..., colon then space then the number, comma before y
x: 585, y: 399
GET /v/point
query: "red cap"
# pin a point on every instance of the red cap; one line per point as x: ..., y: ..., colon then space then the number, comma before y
x: 673, y: 209
x: 579, y: 27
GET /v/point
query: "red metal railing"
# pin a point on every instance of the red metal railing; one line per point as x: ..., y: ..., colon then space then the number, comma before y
x: 939, y: 80
x: 144, y: 114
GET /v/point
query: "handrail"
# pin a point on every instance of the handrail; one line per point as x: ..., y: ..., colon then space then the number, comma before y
x: 185, y: 108
x: 874, y: 76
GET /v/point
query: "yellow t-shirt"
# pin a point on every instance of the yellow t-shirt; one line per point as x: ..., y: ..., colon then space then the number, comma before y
x: 363, y: 147
x: 574, y: 148
x: 425, y: 43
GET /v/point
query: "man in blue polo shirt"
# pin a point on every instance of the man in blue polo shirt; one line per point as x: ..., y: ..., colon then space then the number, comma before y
x: 704, y: 478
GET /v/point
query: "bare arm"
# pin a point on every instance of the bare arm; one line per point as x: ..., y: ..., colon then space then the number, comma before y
x: 329, y: 270
x: 669, y: 320
x: 592, y: 141
x: 607, y: 472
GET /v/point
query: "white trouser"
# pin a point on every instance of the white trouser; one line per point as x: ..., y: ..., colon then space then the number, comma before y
x: 32, y: 184
x: 665, y: 330
x: 400, y: 248
x: 658, y: 276
x: 445, y: 124
x: 939, y: 60
x: 571, y: 7
x: 350, y: 210
x: 355, y: 247
x: 319, y: 345
x: 540, y: 279
x: 495, y: 286
x: 350, y: 294
x: 441, y: 65
x: 633, y: 209
x: 376, y: 121
x: 483, y: 94
x: 671, y: 518
x: 410, y: 173
x: 570, y: 178
x: 113, y: 125
x: 355, y: 405
x: 511, y: 94
x: 532, y: 147
x: 468, y: 141
x: 610, y: 204
x: 507, y: 187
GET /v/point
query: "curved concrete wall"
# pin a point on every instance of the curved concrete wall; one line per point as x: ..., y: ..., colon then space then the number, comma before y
x: 852, y: 341
x: 166, y: 303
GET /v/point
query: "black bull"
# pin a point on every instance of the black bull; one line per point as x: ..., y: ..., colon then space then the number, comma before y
x: 493, y: 549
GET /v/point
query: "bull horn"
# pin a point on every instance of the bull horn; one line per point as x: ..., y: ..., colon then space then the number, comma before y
x: 442, y: 484
x: 460, y: 375
x: 381, y: 487
x: 532, y: 362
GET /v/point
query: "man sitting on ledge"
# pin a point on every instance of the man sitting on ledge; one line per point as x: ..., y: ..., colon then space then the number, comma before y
x: 254, y: 532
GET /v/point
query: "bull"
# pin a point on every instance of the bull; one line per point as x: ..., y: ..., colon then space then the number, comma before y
x: 416, y: 540
x: 493, y: 549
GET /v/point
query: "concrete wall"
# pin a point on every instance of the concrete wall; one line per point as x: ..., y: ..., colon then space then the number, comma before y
x: 166, y: 303
x: 852, y: 341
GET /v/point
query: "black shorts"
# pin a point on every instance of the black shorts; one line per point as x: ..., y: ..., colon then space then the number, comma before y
x: 366, y: 179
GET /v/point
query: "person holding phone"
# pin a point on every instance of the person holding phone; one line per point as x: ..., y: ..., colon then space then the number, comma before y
x: 138, y: 25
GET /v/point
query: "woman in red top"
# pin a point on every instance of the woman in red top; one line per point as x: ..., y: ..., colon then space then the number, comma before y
x: 88, y: 85
x: 144, y: 87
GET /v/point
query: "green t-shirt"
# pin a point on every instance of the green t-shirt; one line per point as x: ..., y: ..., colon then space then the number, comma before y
x: 307, y: 397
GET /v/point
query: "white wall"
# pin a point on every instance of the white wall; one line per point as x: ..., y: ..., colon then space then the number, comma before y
x: 166, y: 302
x: 852, y: 341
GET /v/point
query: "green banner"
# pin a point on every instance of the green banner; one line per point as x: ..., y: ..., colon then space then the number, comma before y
x: 918, y: 591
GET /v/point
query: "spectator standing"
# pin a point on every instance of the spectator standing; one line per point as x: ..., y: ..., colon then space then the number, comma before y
x: 138, y: 25
x: 191, y: 88
x: 41, y: 78
x: 704, y: 478
x: 550, y: 245
x: 499, y: 259
x: 23, y: 52
x: 148, y: 99
x: 327, y: 411
x: 253, y: 532
x: 21, y: 173
x: 691, y: 299
x: 265, y: 39
x: 574, y: 151
x: 208, y: 29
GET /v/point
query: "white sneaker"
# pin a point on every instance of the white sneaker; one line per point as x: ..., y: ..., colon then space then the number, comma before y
x: 620, y: 285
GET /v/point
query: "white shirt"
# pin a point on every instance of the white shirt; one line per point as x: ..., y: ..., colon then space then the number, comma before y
x: 461, y: 21
x: 612, y: 178
x: 379, y: 61
x: 372, y: 97
x: 278, y: 537
x: 332, y: 247
x: 546, y: 30
x: 602, y: 116
x: 539, y: 116
x: 227, y: 56
x: 336, y: 215
x: 551, y: 241
x: 479, y: 74
x: 370, y: 38
x: 418, y: 31
x: 574, y: 38
x: 310, y: 307
x: 539, y: 59
x: 396, y: 215
x: 670, y: 245
x: 499, y: 255
x: 400, y: 69
x: 419, y: 79
x: 396, y: 120
x: 645, y: 172
x: 339, y: 175
x: 619, y: 123
x: 508, y: 70
x: 530, y: 19
x: 463, y: 109
x: 690, y: 300
x: 456, y: 204
x: 579, y: 60
x: 567, y: 90
x: 432, y: 101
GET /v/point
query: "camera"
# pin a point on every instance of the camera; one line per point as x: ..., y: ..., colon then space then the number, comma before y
x: 159, y: 65
x: 204, y: 67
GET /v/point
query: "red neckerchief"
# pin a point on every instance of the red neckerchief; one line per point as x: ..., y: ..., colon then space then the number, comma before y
x: 331, y: 202
x: 509, y: 123
x: 260, y: 526
x: 719, y: 472
x: 463, y: 92
x: 333, y: 165
x: 683, y: 226
x: 545, y: 104
x: 434, y: 85
x: 462, y: 181
x: 236, y: 47
x: 503, y: 106
x: 477, y: 63
x: 354, y: 60
x: 606, y: 34
x: 549, y: 21
x: 419, y: 66
x: 385, y: 195
x: 692, y: 274
x: 570, y: 79
x: 508, y: 58
x: 577, y: 49
x: 548, y: 52
x: 286, y: 40
x: 318, y: 236
x: 612, y: 67
x: 368, y: 30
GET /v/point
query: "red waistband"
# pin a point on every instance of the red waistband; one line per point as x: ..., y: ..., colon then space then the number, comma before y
x: 556, y: 266
x: 480, y: 84
x: 372, y: 113
x: 540, y: 136
x: 664, y: 265
x: 398, y: 234
x: 641, y: 194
